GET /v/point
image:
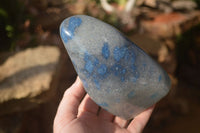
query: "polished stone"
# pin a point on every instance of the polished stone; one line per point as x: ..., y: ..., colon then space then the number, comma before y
x: 118, y: 75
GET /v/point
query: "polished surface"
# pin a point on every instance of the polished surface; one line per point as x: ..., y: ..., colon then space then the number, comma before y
x: 116, y: 73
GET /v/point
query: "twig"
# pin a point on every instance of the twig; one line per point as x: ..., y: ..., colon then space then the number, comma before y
x: 129, y: 5
x: 106, y: 6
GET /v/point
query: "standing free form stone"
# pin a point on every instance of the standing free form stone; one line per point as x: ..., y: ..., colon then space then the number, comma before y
x: 116, y: 73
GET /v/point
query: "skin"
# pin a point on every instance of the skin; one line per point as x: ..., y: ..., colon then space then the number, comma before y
x: 77, y: 113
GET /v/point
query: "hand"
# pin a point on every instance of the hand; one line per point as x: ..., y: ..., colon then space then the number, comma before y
x: 77, y: 113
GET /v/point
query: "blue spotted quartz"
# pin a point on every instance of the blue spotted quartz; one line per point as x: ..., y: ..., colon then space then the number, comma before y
x: 118, y: 75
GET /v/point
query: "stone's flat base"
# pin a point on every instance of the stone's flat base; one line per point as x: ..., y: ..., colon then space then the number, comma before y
x: 26, y: 77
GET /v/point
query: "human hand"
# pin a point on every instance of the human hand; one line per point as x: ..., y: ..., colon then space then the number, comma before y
x: 77, y: 113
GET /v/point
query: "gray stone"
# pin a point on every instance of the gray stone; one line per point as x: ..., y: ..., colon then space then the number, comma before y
x: 26, y: 78
x: 118, y: 75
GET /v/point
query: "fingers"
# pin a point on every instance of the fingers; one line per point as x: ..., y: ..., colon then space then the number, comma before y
x: 121, y: 122
x: 105, y: 115
x: 68, y: 108
x: 88, y: 106
x: 139, y: 122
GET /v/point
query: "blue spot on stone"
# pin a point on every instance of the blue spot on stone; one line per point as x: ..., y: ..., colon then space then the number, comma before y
x: 89, y: 66
x: 122, y: 78
x: 105, y: 51
x: 119, y: 71
x: 90, y: 62
x: 86, y: 56
x: 74, y: 22
x: 97, y: 84
x: 154, y: 95
x: 104, y: 104
x: 102, y: 69
x: 131, y: 94
x: 130, y: 56
x: 159, y: 78
x: 68, y: 33
x: 133, y: 68
x: 96, y: 61
x: 119, y: 53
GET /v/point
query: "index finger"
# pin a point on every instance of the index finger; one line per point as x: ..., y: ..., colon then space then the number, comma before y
x: 68, y: 108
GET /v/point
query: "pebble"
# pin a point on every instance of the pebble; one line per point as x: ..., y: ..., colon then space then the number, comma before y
x: 118, y: 75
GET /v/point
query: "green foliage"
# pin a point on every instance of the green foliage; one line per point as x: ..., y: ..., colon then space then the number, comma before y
x: 3, y: 13
x: 12, y: 15
x: 121, y: 2
x: 9, y: 30
x: 112, y: 19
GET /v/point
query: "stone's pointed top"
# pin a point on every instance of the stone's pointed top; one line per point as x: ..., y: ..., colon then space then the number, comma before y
x: 116, y: 73
x: 68, y: 28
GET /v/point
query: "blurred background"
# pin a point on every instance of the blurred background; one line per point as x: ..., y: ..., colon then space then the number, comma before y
x: 35, y: 69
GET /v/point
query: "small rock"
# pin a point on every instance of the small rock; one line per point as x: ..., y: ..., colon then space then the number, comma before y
x: 171, y: 24
x: 26, y: 77
x: 162, y: 5
x: 165, y: 6
x: 184, y: 5
x: 116, y: 73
